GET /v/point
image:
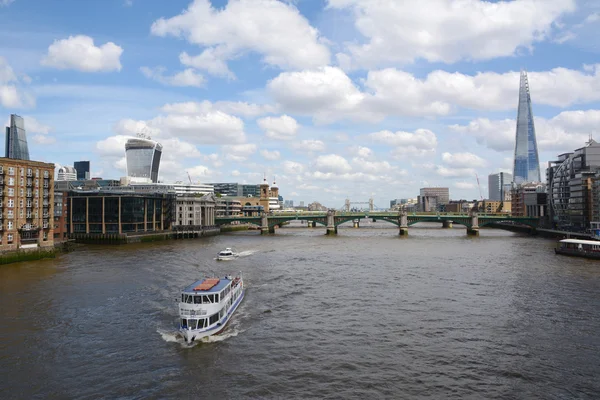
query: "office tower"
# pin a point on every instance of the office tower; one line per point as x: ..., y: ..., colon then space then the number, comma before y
x: 143, y: 158
x: 433, y: 198
x: 497, y: 184
x: 526, y: 163
x: 83, y: 170
x: 16, y: 139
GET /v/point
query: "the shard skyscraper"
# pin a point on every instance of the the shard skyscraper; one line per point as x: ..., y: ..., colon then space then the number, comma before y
x: 527, y: 162
x: 16, y: 139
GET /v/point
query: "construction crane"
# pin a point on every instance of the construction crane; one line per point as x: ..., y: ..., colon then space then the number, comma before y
x: 479, y: 186
x: 189, y: 177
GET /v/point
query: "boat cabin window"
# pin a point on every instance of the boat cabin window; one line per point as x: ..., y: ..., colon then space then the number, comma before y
x: 184, y: 323
x: 197, y: 299
x: 213, y: 319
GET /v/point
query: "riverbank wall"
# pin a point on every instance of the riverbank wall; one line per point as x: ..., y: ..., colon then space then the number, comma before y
x: 28, y: 255
x: 542, y: 232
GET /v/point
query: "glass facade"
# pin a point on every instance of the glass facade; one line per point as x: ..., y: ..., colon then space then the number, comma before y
x: 527, y: 162
x: 570, y: 188
x: 16, y: 139
x: 497, y: 184
x: 83, y: 169
x: 143, y: 158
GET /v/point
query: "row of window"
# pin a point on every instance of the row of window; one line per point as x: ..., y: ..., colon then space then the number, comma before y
x: 11, y: 192
x: 11, y: 171
x: 10, y: 203
x: 10, y: 238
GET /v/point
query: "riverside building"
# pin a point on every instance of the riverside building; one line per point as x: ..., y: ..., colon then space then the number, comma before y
x: 26, y: 204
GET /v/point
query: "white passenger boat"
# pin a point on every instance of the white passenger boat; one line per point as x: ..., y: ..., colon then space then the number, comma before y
x: 226, y: 254
x: 579, y: 248
x: 207, y: 305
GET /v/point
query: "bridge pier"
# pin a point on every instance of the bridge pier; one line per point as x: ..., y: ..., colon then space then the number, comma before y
x: 331, y: 228
x: 356, y: 223
x: 474, y: 229
x: 264, y: 224
x: 447, y: 224
x: 313, y: 224
x: 403, y: 222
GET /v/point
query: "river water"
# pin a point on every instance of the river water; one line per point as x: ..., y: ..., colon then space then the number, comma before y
x: 366, y: 314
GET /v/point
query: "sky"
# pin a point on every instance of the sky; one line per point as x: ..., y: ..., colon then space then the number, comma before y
x: 333, y: 99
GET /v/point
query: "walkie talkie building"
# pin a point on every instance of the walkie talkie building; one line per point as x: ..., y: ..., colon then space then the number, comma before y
x: 143, y: 158
x: 527, y: 162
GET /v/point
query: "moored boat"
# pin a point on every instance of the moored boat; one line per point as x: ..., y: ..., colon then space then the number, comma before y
x: 226, y: 254
x: 579, y: 248
x: 207, y: 306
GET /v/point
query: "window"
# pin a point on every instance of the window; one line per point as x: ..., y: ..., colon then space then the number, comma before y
x: 22, y: 180
x: 28, y: 171
x: 11, y: 170
x: 37, y: 192
x: 9, y: 226
x: 37, y: 182
x: 191, y: 208
x: 45, y: 174
x: 37, y: 173
x: 9, y: 213
x: 11, y: 191
x: 21, y: 203
x: 11, y: 203
x: 22, y: 192
x: 11, y: 181
x: 9, y: 238
x: 21, y: 214
x: 22, y: 172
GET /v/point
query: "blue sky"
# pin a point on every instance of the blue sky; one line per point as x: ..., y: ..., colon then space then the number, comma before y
x: 335, y: 98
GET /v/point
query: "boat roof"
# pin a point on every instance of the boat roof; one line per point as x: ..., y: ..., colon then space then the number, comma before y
x: 220, y: 285
x: 579, y: 241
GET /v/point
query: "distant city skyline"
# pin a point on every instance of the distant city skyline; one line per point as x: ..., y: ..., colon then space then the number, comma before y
x: 348, y: 112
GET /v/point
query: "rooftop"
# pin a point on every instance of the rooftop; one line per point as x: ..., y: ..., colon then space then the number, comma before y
x: 215, y: 289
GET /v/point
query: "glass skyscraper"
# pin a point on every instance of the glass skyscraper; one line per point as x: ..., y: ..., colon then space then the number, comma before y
x: 143, y: 158
x: 83, y: 169
x: 16, y: 139
x: 497, y: 186
x: 527, y: 162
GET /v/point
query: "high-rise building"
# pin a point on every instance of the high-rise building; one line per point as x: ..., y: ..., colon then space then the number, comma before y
x: 433, y: 198
x: 143, y: 158
x: 66, y: 174
x: 526, y: 163
x: 83, y: 170
x: 497, y: 184
x: 16, y: 139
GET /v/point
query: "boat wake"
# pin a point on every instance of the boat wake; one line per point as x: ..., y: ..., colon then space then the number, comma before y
x: 246, y: 253
x: 170, y: 336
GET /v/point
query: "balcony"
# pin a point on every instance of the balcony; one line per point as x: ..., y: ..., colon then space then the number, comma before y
x: 29, y: 194
x: 46, y: 203
x: 45, y: 226
x: 29, y: 183
x: 45, y: 215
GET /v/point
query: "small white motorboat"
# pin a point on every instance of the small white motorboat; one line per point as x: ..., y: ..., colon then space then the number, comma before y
x: 207, y: 305
x: 226, y: 254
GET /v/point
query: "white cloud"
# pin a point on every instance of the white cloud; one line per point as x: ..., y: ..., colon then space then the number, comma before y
x: 270, y: 155
x: 331, y: 163
x: 292, y: 167
x: 447, y: 30
x: 309, y: 146
x: 564, y: 132
x: 239, y: 108
x: 271, y: 28
x: 280, y: 128
x: 454, y: 172
x: 361, y: 152
x: 239, y: 152
x: 187, y: 77
x: 200, y: 172
x: 210, y: 128
x: 5, y: 2
x: 113, y: 146
x: 44, y: 139
x: 464, y: 185
x: 463, y: 160
x: 326, y: 94
x: 422, y: 139
x: 11, y: 93
x: 80, y: 53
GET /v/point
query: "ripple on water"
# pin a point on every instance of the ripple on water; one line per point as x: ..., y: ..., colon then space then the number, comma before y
x: 362, y: 315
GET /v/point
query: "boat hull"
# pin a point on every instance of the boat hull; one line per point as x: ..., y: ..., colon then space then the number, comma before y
x: 578, y: 253
x: 225, y: 258
x: 192, y: 335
